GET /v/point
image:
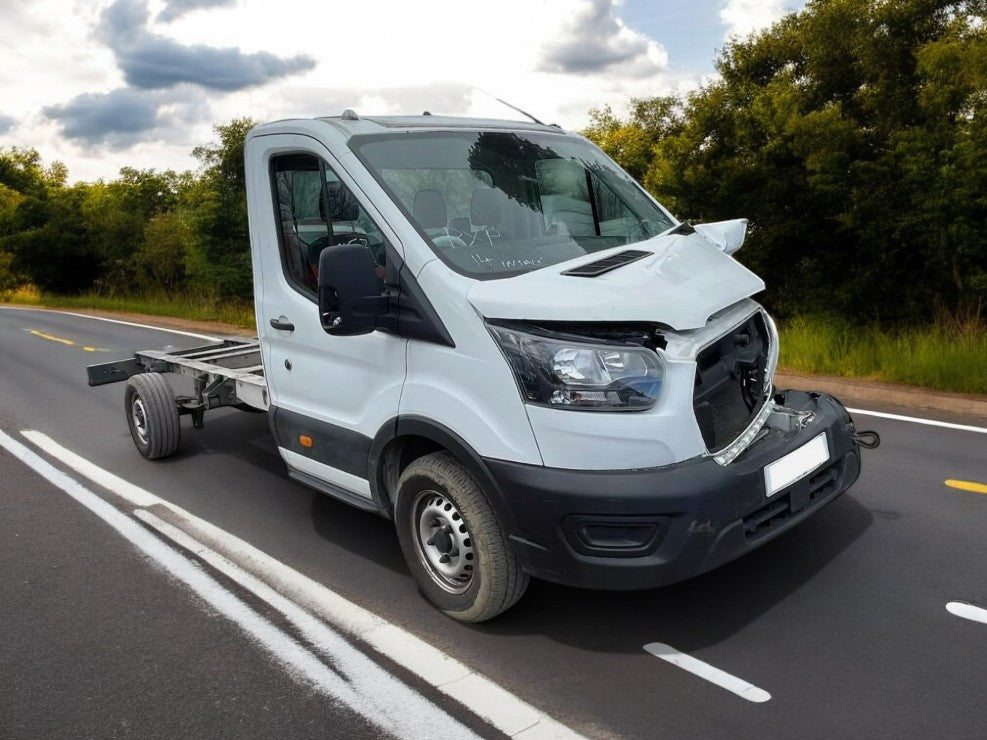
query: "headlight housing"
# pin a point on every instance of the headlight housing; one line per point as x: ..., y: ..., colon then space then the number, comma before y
x: 567, y: 374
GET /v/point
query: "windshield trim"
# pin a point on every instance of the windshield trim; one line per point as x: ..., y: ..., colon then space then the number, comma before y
x: 356, y: 142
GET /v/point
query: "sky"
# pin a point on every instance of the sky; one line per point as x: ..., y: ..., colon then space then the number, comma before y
x: 100, y: 85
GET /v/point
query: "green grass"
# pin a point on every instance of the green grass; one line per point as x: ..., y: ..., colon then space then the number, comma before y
x: 236, y: 312
x: 940, y: 357
x: 946, y: 356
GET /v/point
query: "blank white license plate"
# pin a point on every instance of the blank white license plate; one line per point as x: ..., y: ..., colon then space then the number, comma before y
x: 796, y: 464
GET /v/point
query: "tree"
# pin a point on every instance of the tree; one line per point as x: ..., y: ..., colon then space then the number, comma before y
x: 631, y: 143
x: 852, y: 134
x: 220, y: 257
x: 162, y: 261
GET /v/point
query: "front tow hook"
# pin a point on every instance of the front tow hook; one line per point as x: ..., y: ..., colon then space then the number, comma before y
x: 867, y: 440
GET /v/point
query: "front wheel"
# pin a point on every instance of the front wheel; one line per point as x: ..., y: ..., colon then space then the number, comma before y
x: 152, y: 415
x: 453, y: 542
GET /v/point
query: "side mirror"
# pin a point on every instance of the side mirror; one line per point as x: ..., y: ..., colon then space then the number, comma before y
x: 725, y: 235
x: 350, y: 295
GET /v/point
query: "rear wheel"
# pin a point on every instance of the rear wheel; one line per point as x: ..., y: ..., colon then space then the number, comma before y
x: 453, y: 542
x: 152, y: 415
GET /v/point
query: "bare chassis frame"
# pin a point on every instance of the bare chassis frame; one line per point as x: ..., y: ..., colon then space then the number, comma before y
x: 227, y: 372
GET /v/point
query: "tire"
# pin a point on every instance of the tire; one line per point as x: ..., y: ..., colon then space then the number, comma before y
x: 152, y: 415
x: 441, y: 511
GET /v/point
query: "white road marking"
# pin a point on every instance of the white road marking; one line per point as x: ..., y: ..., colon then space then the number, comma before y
x: 128, y: 491
x: 917, y: 420
x: 967, y: 611
x: 704, y: 670
x: 483, y: 697
x: 115, y: 321
x: 361, y: 685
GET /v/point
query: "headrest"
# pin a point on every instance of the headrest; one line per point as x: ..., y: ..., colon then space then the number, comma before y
x: 487, y: 207
x: 342, y: 204
x: 430, y: 209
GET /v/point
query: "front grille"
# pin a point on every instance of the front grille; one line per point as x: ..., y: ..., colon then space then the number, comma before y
x: 729, y: 387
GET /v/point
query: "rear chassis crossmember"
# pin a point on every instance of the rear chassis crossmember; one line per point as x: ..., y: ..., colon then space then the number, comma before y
x: 226, y: 372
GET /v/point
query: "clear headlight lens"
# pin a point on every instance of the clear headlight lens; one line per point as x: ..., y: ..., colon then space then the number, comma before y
x: 567, y: 374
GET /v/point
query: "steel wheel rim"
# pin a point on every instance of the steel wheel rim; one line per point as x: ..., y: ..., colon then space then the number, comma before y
x: 443, y: 542
x: 139, y: 417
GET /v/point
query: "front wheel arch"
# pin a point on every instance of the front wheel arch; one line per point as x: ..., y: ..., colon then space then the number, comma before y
x: 404, y: 439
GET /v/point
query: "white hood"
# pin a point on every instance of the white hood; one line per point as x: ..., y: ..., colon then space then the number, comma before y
x: 681, y: 285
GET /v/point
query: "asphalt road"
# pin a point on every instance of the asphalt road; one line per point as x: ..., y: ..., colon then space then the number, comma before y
x: 842, y: 621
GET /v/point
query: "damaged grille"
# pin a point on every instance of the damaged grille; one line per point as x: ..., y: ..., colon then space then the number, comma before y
x: 729, y: 387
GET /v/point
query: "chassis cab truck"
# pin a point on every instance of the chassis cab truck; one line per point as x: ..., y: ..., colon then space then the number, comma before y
x: 489, y: 333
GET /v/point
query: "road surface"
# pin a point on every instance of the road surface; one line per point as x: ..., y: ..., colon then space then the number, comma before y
x: 838, y: 628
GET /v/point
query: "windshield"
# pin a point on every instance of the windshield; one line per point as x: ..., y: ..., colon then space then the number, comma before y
x: 495, y: 204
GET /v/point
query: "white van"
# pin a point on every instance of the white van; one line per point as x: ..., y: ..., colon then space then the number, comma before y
x: 488, y: 332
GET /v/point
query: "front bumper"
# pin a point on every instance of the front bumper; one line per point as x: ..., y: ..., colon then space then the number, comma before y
x: 633, y: 529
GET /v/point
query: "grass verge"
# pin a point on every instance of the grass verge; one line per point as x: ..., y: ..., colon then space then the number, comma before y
x: 190, y: 307
x: 940, y: 357
x: 946, y: 357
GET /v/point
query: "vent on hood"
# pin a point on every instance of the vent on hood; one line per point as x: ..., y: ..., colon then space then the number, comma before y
x: 608, y: 263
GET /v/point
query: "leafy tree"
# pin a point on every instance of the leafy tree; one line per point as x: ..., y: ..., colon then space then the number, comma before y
x: 220, y: 259
x: 162, y: 261
x: 631, y: 142
x: 852, y: 134
x: 45, y: 233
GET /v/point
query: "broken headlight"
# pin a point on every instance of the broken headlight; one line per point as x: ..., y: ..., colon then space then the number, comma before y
x: 566, y: 374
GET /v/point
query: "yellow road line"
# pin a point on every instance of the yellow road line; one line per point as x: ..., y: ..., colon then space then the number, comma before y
x: 51, y: 338
x: 66, y: 342
x: 965, y: 485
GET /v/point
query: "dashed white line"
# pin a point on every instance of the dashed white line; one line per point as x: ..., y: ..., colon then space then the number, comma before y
x: 917, y: 420
x: 714, y: 675
x: 366, y: 688
x: 485, y: 698
x: 967, y: 611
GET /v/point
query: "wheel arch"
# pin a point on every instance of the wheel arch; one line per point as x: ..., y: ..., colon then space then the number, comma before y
x: 404, y: 439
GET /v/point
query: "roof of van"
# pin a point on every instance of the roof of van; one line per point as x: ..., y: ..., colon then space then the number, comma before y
x: 351, y: 125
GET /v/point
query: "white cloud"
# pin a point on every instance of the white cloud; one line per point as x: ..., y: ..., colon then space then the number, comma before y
x: 376, y: 56
x: 596, y: 40
x: 743, y: 17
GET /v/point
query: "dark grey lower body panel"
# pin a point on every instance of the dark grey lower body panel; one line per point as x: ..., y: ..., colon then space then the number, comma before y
x: 634, y: 529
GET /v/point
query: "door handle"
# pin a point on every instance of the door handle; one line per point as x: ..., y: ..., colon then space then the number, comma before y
x: 282, y: 323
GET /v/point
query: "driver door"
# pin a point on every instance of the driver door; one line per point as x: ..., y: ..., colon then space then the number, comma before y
x: 329, y: 394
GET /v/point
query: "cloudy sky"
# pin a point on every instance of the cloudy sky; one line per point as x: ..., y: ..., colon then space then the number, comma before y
x: 99, y: 85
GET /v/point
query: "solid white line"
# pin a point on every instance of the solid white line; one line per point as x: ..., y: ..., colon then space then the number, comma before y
x: 967, y: 611
x: 128, y: 491
x: 396, y: 707
x: 115, y: 321
x: 704, y: 670
x: 363, y: 686
x: 917, y: 420
x: 487, y: 699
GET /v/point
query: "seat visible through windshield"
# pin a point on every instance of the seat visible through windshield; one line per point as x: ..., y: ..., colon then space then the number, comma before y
x: 494, y: 204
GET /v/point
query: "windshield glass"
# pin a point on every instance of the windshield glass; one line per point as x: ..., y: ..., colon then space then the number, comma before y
x: 495, y: 204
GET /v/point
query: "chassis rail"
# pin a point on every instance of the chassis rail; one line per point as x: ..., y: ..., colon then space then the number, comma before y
x: 226, y: 372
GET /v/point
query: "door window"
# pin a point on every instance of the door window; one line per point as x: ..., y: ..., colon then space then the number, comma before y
x: 315, y: 210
